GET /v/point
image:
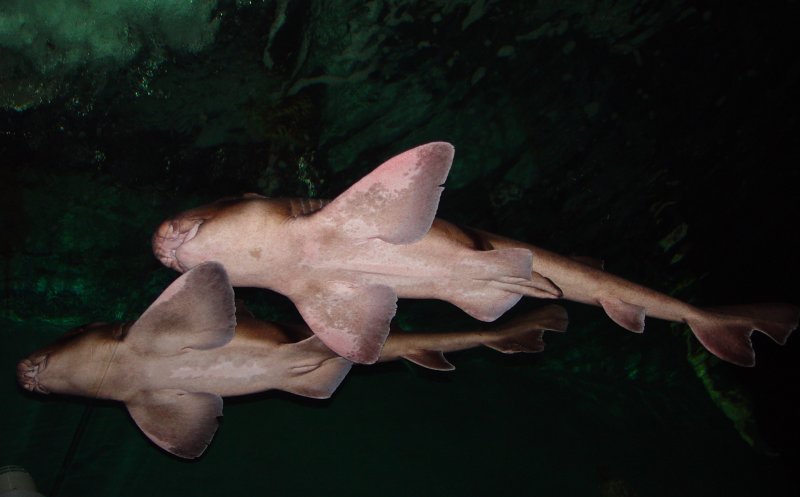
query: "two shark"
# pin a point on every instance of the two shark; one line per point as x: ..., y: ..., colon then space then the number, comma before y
x: 344, y: 263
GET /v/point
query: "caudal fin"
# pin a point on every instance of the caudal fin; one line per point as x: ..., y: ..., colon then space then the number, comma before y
x: 725, y: 331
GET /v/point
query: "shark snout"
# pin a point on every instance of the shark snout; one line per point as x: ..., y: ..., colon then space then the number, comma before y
x: 28, y: 373
x: 170, y: 236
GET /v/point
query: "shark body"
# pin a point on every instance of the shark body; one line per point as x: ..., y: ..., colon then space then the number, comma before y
x: 191, y: 347
x: 345, y: 262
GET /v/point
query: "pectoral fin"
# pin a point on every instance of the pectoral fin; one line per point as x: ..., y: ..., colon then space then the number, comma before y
x: 351, y: 319
x: 396, y: 202
x: 196, y: 311
x: 182, y: 423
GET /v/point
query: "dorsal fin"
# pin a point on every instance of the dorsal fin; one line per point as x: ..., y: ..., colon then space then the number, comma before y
x: 396, y: 202
x: 196, y: 311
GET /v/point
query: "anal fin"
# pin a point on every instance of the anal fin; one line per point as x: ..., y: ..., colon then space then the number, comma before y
x: 431, y: 359
x: 629, y: 316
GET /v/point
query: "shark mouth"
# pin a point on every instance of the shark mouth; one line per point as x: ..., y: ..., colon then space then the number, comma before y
x: 170, y: 236
x: 28, y: 373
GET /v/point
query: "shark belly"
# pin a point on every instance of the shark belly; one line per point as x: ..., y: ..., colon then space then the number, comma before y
x: 433, y: 267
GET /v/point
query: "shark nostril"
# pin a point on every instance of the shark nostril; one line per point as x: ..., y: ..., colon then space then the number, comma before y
x: 28, y: 371
x: 170, y: 236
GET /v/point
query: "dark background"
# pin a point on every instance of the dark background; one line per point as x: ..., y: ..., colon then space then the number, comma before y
x: 659, y: 136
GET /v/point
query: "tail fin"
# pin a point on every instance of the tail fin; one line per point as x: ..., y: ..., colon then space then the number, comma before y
x: 524, y: 334
x: 725, y: 331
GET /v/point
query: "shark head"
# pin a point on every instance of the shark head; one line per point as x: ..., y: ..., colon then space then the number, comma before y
x: 320, y: 254
x: 74, y: 363
x: 206, y: 234
x: 176, y: 231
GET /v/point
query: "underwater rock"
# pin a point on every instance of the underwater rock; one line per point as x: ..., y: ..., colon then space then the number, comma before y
x: 41, y: 45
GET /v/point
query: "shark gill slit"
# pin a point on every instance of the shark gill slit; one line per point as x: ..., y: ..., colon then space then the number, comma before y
x: 121, y: 331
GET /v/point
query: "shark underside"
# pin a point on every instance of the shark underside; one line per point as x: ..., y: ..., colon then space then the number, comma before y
x: 345, y: 262
x: 194, y: 345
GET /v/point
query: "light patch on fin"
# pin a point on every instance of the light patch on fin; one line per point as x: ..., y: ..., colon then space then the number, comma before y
x: 431, y: 359
x: 316, y: 371
x: 396, y: 202
x: 629, y: 316
x: 351, y: 319
x: 182, y: 423
x: 196, y: 311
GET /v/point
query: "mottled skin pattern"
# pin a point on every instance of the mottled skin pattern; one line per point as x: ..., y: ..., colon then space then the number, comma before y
x: 173, y: 366
x: 96, y: 361
x: 343, y: 273
x: 256, y: 239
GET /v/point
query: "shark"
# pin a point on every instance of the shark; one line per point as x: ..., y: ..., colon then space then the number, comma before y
x: 345, y: 262
x: 195, y: 345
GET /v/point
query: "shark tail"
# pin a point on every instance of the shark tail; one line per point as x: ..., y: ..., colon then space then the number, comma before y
x: 726, y: 331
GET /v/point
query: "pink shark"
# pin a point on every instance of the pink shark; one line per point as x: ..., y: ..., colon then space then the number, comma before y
x: 345, y: 262
x: 191, y: 347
